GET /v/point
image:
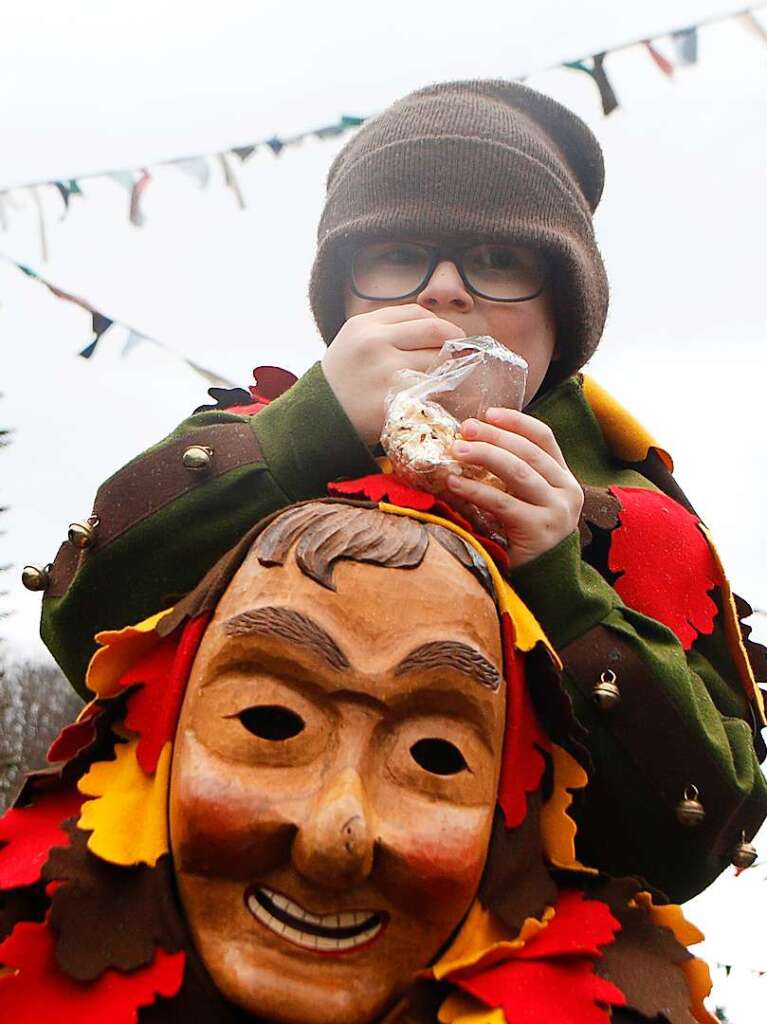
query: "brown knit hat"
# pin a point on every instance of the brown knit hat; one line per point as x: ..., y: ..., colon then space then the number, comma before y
x: 484, y: 160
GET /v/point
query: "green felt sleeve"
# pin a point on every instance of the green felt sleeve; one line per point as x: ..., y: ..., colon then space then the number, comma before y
x: 679, y: 722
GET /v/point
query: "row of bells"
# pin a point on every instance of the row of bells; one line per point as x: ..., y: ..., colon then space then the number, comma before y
x: 197, y: 458
x: 689, y: 811
x: 606, y: 693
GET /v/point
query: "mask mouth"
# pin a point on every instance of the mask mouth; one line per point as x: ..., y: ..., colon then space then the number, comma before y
x: 340, y: 932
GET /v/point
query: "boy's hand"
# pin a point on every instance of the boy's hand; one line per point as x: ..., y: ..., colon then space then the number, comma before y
x: 361, y: 361
x: 544, y: 501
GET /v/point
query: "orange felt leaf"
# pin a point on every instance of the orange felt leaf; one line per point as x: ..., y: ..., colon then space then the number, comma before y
x: 558, y: 829
x: 665, y: 563
x: 522, y: 763
x: 28, y: 834
x: 120, y: 649
x: 128, y: 818
x: 483, y: 940
x: 695, y: 970
x: 162, y: 674
x: 459, y: 1008
x: 38, y: 990
x: 625, y: 435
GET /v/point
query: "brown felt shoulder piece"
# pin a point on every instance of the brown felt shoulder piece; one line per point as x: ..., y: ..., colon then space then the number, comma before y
x: 601, y: 509
x: 152, y: 481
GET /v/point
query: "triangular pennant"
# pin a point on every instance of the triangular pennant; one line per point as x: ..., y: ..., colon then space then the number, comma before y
x: 750, y: 23
x: 661, y: 62
x: 138, y: 189
x: 133, y: 339
x: 598, y: 73
x: 231, y: 180
x: 685, y: 43
x: 276, y: 145
x: 243, y: 152
x: 196, y: 167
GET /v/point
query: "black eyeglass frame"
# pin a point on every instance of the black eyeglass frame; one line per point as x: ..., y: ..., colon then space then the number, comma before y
x: 454, y: 253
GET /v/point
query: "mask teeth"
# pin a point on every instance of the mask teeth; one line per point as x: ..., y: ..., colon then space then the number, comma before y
x: 306, y: 940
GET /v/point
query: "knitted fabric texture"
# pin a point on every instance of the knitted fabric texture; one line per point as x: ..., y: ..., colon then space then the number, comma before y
x: 473, y: 161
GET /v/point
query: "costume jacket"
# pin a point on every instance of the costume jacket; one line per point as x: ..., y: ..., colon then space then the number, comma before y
x: 636, y: 596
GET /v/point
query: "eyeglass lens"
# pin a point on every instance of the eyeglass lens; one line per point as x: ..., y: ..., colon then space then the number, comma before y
x: 391, y: 270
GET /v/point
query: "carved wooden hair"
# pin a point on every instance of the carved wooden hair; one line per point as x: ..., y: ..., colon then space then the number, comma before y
x: 323, y: 534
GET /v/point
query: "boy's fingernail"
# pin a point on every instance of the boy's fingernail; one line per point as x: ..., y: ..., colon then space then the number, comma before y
x: 470, y: 428
x: 455, y: 483
x: 493, y: 413
x: 461, y: 448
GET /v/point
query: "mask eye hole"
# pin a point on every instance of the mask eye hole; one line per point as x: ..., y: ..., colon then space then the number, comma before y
x: 272, y: 722
x: 440, y: 757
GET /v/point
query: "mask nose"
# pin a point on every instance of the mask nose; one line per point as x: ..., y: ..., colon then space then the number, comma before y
x: 334, y: 847
x: 446, y: 288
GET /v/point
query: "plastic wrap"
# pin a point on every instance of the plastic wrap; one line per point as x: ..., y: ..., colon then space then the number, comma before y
x: 424, y: 412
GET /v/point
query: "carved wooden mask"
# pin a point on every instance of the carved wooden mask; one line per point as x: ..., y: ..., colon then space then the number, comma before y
x: 334, y: 779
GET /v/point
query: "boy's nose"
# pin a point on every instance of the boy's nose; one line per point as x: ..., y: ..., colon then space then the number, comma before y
x: 334, y: 846
x: 445, y: 288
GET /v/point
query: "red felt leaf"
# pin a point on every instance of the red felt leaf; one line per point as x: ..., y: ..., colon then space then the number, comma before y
x: 271, y: 382
x: 247, y: 410
x: 580, y: 927
x: 40, y: 991
x: 73, y: 738
x: 522, y: 763
x: 551, y: 978
x: 154, y: 708
x: 30, y: 833
x: 666, y: 565
x: 384, y: 486
x: 531, y: 992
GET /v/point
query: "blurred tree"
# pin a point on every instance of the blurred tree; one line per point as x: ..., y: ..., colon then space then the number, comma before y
x: 36, y: 701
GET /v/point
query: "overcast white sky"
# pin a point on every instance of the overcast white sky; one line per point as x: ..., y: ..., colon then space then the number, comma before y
x: 95, y: 86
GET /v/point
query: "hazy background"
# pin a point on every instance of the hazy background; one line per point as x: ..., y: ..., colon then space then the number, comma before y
x: 109, y: 85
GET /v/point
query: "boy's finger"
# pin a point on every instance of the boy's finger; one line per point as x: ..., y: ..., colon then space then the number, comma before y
x: 423, y: 334
x: 533, y: 454
x: 527, y: 426
x: 521, y: 480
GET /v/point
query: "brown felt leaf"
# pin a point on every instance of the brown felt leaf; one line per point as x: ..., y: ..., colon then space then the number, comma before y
x: 516, y: 883
x: 600, y: 508
x: 644, y: 959
x: 109, y: 916
x: 757, y: 653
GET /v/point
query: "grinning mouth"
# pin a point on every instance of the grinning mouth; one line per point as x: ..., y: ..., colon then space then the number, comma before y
x: 326, y: 933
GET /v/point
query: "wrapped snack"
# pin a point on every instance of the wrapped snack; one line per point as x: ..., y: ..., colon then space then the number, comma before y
x: 424, y: 412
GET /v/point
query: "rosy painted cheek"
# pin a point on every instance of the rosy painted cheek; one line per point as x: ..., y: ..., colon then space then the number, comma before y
x: 220, y: 833
x: 434, y: 874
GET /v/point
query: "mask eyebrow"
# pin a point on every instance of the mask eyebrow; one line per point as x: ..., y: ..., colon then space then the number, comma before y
x: 288, y: 625
x: 455, y: 655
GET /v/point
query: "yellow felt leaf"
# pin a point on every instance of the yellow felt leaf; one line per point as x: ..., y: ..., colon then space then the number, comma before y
x: 625, y: 435
x: 129, y: 815
x: 557, y: 827
x: 459, y: 1008
x: 527, y: 631
x: 481, y: 934
x: 120, y: 648
x: 734, y: 636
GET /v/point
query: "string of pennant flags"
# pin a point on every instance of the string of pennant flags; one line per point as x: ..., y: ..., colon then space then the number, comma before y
x: 684, y: 50
x: 100, y: 324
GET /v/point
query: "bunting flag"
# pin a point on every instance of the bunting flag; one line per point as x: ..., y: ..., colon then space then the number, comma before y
x: 101, y: 323
x: 684, y: 46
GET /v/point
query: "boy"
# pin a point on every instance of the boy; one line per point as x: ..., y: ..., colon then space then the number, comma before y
x: 466, y: 209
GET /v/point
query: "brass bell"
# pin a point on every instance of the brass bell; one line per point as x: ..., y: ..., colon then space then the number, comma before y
x: 198, y: 458
x: 690, y: 811
x: 606, y: 693
x: 744, y: 854
x: 83, y: 535
x: 36, y: 577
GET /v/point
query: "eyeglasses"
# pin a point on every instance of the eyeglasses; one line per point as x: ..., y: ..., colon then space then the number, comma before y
x: 388, y: 271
